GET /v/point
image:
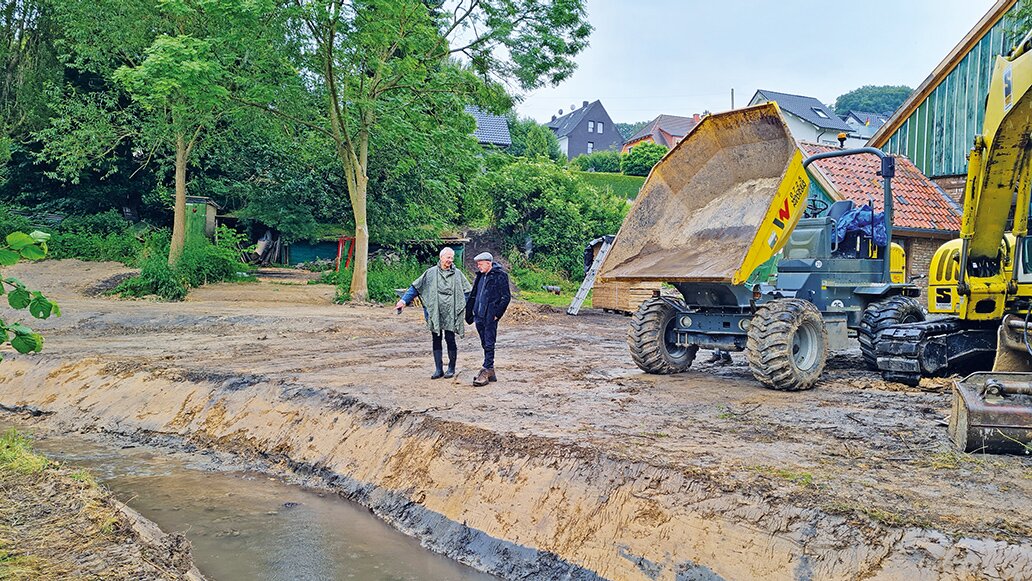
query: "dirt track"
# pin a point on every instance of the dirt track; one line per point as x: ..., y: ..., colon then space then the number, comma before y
x: 853, y: 479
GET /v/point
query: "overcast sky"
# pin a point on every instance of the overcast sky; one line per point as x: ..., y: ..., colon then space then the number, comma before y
x: 684, y: 56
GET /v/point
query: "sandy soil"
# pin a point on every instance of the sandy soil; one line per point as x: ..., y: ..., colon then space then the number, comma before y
x: 875, y: 454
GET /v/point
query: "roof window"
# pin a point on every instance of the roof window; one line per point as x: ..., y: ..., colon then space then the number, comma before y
x: 820, y: 113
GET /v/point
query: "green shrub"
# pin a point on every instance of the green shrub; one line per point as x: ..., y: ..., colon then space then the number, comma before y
x: 122, y: 247
x: 96, y: 237
x: 11, y: 222
x: 602, y: 161
x: 201, y: 263
x: 641, y: 158
x: 548, y: 207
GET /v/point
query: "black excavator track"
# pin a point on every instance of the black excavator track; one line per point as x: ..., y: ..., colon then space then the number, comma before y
x: 910, y: 351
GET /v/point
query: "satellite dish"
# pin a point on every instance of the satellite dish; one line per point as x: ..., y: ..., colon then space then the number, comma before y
x: 572, y: 107
x: 560, y: 111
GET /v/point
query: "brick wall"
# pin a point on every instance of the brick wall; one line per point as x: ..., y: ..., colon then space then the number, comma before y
x: 919, y: 258
x: 953, y: 186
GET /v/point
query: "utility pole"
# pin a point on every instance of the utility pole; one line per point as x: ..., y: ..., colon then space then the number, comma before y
x: 732, y: 97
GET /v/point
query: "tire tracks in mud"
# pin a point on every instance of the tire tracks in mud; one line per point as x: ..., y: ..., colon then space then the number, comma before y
x: 573, y: 464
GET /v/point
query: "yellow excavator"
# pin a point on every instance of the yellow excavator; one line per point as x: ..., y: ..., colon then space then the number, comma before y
x: 983, y: 281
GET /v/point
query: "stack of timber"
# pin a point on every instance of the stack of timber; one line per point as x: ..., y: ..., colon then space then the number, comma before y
x: 621, y: 296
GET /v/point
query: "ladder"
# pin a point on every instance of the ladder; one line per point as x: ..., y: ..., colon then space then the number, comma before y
x: 589, y: 277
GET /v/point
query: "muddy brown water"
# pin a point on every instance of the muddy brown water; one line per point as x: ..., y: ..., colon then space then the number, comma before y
x: 248, y: 526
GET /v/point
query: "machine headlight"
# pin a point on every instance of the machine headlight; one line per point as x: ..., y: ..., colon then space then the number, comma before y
x: 686, y: 321
x: 744, y: 325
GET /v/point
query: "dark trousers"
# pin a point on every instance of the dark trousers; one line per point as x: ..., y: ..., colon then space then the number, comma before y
x: 488, y: 331
x: 448, y: 336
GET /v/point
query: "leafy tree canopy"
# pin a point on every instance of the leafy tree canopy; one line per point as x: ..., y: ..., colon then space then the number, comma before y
x: 882, y: 99
x: 542, y: 207
x: 520, y: 130
x: 627, y: 130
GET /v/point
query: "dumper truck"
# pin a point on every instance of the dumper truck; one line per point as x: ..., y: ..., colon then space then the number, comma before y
x: 727, y: 199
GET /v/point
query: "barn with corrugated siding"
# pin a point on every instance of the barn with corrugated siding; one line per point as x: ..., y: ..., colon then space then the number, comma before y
x: 937, y: 125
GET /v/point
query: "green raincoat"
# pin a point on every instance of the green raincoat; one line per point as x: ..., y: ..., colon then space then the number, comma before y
x: 443, y: 293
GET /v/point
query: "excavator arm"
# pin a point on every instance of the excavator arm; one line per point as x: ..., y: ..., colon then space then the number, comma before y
x: 998, y: 179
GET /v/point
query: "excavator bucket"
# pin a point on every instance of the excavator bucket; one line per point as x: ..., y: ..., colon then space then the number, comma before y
x: 718, y: 205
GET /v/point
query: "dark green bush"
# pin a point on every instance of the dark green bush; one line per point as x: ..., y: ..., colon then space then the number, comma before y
x: 603, y: 161
x: 641, y: 158
x: 545, y: 209
x: 122, y: 247
x: 95, y: 237
x: 201, y: 263
x: 11, y: 222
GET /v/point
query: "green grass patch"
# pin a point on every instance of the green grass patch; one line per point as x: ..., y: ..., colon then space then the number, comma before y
x: 531, y: 281
x: 16, y: 455
x: 20, y: 567
x: 803, y: 479
x: 617, y: 184
x: 546, y: 298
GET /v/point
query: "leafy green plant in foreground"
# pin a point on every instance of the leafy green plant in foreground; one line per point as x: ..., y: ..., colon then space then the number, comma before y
x: 19, y: 245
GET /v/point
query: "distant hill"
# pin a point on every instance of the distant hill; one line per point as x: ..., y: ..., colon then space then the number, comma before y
x: 628, y: 129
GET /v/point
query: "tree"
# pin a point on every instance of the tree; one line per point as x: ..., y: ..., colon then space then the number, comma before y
x: 627, y: 130
x: 178, y: 61
x: 395, y: 60
x: 520, y: 130
x: 28, y: 63
x: 545, y: 211
x: 882, y: 99
x: 537, y: 142
x: 641, y: 158
x: 1019, y: 21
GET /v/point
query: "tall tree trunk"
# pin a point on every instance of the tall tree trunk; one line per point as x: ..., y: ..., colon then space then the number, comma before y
x: 358, y: 181
x: 179, y: 211
x: 359, y: 276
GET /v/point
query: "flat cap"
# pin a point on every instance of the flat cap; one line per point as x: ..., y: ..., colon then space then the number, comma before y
x: 483, y: 256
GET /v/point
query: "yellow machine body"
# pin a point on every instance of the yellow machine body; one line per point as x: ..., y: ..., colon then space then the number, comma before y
x: 720, y: 203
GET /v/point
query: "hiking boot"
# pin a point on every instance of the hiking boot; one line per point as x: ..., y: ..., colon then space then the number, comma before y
x: 450, y: 372
x: 483, y: 377
x: 491, y: 375
x: 725, y: 358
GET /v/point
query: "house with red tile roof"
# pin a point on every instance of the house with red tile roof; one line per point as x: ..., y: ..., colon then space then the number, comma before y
x: 665, y: 130
x: 924, y: 216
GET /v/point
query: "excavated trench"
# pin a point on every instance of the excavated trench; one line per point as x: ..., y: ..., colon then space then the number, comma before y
x: 574, y: 465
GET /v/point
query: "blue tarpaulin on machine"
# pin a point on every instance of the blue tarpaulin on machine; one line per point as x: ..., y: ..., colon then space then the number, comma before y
x: 858, y: 221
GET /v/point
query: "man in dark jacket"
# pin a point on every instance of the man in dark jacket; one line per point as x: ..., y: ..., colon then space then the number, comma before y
x: 486, y: 305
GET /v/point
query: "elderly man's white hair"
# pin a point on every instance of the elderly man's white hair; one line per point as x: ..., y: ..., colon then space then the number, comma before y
x: 446, y: 250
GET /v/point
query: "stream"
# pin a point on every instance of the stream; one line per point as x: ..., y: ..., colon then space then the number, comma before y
x: 245, y: 525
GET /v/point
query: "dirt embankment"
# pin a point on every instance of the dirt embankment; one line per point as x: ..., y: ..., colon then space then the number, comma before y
x: 573, y: 464
x: 57, y: 523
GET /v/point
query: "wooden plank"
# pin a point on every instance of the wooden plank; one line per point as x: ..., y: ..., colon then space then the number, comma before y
x: 622, y: 295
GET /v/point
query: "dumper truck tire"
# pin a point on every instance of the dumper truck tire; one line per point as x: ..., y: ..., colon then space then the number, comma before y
x: 787, y: 344
x: 880, y: 316
x: 647, y: 339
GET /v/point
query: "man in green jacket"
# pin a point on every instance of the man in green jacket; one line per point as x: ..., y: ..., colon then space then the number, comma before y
x: 443, y: 291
